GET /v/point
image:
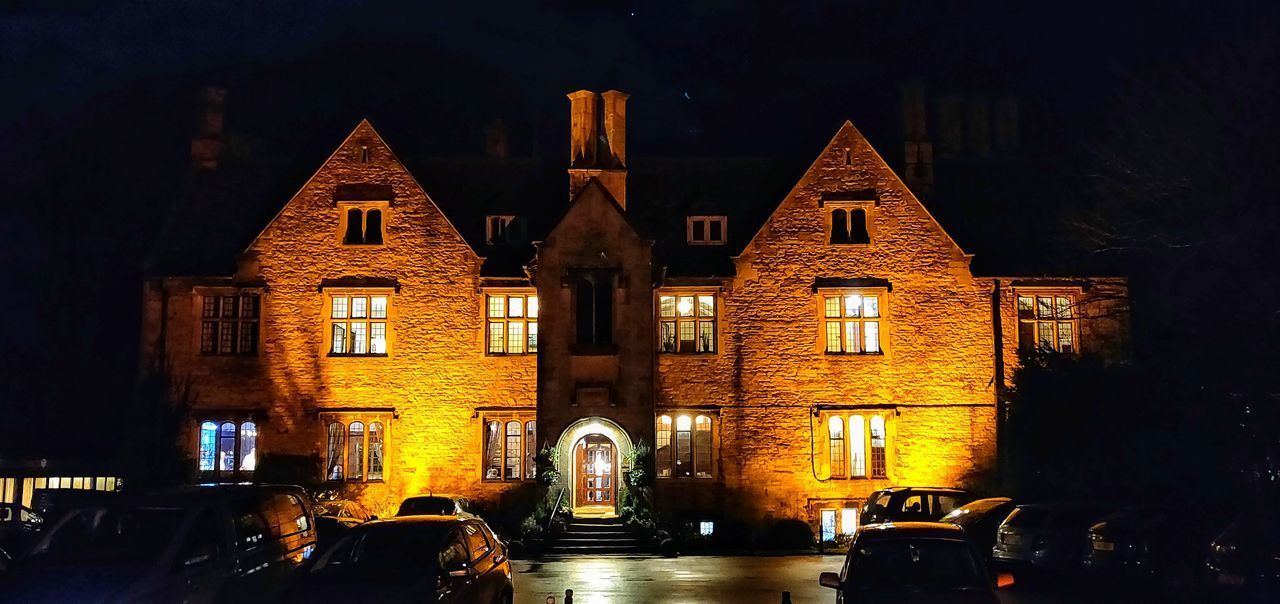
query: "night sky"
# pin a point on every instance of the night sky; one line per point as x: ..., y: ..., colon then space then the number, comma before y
x: 99, y: 102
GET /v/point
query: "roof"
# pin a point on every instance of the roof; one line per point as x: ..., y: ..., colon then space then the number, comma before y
x: 992, y: 210
x: 915, y: 530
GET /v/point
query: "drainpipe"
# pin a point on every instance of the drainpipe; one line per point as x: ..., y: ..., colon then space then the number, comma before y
x: 997, y: 338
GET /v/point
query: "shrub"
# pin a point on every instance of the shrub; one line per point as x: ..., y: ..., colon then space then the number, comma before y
x: 669, y: 548
x: 786, y: 533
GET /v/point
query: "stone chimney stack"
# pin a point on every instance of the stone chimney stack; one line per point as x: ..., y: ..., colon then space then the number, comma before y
x: 917, y: 170
x: 495, y: 139
x: 597, y: 142
x: 207, y: 146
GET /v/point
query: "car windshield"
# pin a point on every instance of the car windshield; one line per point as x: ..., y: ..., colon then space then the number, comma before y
x: 327, y: 508
x: 973, y: 512
x: 391, y: 551
x: 116, y: 535
x: 427, y: 506
x: 915, y: 565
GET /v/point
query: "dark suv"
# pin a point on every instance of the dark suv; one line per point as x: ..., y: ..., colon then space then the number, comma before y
x: 911, y: 504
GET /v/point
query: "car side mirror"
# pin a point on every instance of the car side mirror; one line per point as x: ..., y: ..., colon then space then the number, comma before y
x: 1004, y: 580
x: 829, y: 579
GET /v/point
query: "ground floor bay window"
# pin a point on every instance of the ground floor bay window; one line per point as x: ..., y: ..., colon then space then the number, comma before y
x: 510, y: 448
x: 857, y: 445
x: 227, y: 449
x: 355, y: 448
x: 683, y: 448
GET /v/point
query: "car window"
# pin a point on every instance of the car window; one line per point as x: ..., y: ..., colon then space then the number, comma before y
x: 116, y: 535
x: 1026, y: 518
x: 381, y: 553
x: 945, y: 503
x: 203, y: 542
x: 914, y: 504
x: 454, y: 553
x: 914, y: 564
x: 251, y: 527
x: 476, y: 540
x: 427, y: 506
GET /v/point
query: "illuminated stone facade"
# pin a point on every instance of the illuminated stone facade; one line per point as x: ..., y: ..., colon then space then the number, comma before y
x: 769, y: 386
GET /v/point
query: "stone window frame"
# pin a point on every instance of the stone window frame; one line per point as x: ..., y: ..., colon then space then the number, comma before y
x: 674, y: 320
x: 369, y: 320
x: 210, y: 320
x: 384, y: 213
x: 875, y: 461
x: 345, y: 419
x: 1055, y: 318
x: 671, y: 428
x: 529, y: 324
x: 528, y: 446
x: 847, y: 208
x: 706, y: 222
x: 882, y: 321
x: 239, y: 423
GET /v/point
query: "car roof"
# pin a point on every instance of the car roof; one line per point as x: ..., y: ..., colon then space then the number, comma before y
x: 421, y: 519
x: 190, y: 494
x: 914, y: 530
x: 904, y: 489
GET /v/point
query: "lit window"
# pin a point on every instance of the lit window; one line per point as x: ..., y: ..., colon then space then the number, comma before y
x: 362, y: 223
x: 684, y: 446
x: 706, y: 528
x: 510, y: 449
x: 358, y: 324
x: 229, y: 324
x: 512, y: 323
x: 854, y: 440
x: 504, y: 230
x: 227, y: 450
x: 828, y: 525
x: 848, y: 520
x: 687, y: 322
x: 851, y: 323
x: 355, y: 451
x: 1047, y: 323
x: 706, y: 230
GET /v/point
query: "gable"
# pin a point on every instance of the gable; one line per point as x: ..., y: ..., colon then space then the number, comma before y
x: 362, y: 170
x: 593, y: 217
x: 851, y: 173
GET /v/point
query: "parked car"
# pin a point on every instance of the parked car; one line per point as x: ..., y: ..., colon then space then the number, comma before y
x: 911, y: 504
x: 980, y: 519
x: 334, y: 518
x: 1244, y: 560
x: 913, y: 562
x: 18, y: 525
x: 1161, y: 545
x: 435, y: 505
x: 1046, y: 536
x: 442, y: 559
x: 192, y: 544
x: 5, y: 561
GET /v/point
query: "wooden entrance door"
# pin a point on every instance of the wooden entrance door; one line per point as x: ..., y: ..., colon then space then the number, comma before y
x: 596, y: 477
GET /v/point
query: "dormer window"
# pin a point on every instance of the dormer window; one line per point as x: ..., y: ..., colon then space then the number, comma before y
x: 706, y: 230
x: 363, y: 223
x: 847, y: 224
x: 504, y: 230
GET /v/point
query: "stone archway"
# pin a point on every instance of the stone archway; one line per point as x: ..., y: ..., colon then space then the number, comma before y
x: 567, y: 460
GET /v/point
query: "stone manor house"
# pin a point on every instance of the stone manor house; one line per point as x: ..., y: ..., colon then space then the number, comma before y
x: 785, y: 339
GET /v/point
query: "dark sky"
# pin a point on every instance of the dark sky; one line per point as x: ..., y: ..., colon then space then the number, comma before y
x: 98, y: 101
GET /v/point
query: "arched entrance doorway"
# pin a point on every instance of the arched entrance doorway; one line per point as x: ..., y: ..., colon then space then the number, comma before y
x: 592, y: 457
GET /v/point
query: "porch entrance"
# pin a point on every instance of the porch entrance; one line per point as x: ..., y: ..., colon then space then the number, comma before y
x: 595, y: 476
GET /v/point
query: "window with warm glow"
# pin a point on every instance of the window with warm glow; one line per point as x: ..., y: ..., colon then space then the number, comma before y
x: 355, y: 448
x: 851, y: 322
x: 683, y: 446
x: 358, y: 324
x: 229, y: 323
x: 687, y: 322
x: 227, y: 449
x: 851, y: 441
x: 705, y: 230
x: 512, y: 323
x: 510, y: 448
x: 363, y: 223
x: 1047, y: 323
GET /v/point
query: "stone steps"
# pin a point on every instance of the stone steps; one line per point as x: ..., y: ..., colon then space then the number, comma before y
x: 597, y: 536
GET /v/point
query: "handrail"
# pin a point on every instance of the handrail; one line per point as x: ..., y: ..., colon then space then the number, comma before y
x: 556, y: 508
